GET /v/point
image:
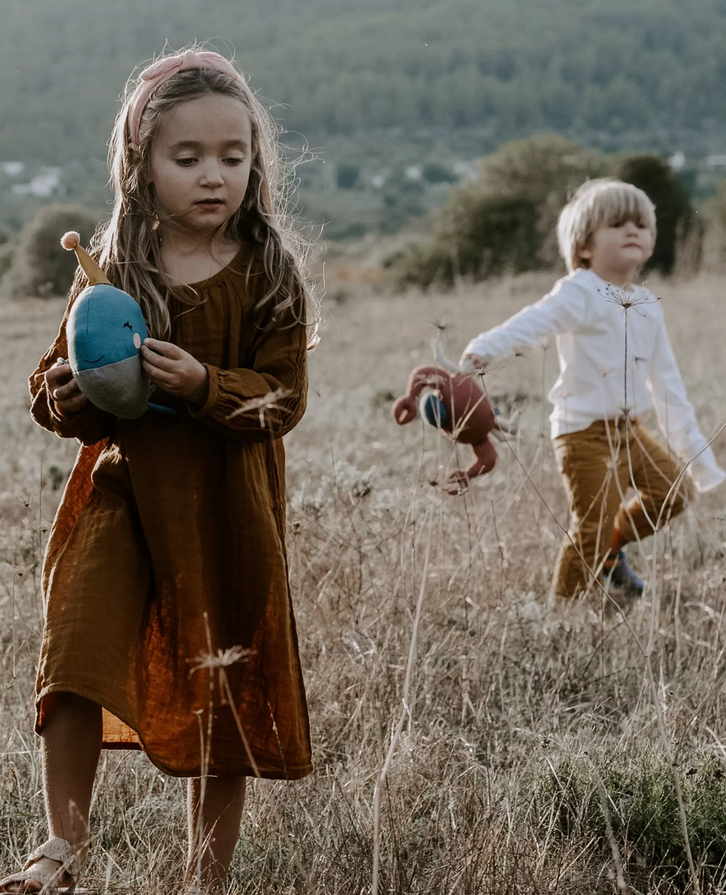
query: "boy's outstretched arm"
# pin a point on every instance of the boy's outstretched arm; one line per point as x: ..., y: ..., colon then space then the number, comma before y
x: 562, y: 310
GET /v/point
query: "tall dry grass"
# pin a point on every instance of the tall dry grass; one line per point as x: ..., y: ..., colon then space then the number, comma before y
x: 535, y: 752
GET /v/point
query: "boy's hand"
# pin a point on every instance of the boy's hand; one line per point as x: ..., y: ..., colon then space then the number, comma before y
x: 63, y: 389
x: 174, y: 370
x: 472, y: 363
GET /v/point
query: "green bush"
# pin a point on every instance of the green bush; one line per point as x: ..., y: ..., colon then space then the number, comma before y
x: 347, y: 176
x: 6, y: 258
x: 7, y: 250
x: 434, y: 172
x: 506, y: 221
x: 545, y: 171
x: 642, y: 806
x: 714, y: 217
x: 485, y: 239
x: 423, y: 265
x: 40, y: 267
x: 674, y: 213
x: 403, y: 199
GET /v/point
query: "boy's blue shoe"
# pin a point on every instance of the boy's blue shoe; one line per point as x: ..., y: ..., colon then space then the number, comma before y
x: 617, y: 573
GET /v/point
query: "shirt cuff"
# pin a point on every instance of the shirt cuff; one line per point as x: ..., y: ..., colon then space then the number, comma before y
x: 476, y: 347
x: 706, y: 475
x: 197, y: 412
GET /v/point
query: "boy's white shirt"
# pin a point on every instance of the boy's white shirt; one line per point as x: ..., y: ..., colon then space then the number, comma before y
x: 589, y: 324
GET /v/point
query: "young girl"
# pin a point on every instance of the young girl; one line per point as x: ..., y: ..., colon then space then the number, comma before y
x: 168, y: 620
x: 606, y: 233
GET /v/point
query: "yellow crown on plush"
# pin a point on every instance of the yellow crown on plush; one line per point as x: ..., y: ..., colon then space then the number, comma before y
x: 71, y: 242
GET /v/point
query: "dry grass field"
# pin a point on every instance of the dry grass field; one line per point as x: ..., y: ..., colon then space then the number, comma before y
x: 512, y: 749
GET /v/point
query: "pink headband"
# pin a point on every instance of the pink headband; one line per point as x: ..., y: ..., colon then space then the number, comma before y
x: 157, y: 73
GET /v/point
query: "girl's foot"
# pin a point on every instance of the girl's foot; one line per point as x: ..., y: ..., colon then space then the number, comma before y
x: 52, y: 867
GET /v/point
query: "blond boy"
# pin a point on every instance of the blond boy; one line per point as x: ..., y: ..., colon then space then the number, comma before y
x: 606, y: 233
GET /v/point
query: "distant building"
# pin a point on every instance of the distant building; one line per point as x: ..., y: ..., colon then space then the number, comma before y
x: 46, y: 183
x: 467, y: 172
x: 677, y: 161
x: 12, y: 169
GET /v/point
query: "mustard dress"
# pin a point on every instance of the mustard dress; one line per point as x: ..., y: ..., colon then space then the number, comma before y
x: 165, y: 578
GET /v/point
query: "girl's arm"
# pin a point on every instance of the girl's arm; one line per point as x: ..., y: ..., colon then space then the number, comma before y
x: 562, y: 310
x: 266, y: 400
x: 88, y: 424
x: 677, y: 417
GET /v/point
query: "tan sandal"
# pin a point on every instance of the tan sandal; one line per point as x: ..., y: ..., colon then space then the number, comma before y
x: 59, y: 850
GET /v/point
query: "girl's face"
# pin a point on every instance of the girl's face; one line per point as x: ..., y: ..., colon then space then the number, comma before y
x: 200, y: 161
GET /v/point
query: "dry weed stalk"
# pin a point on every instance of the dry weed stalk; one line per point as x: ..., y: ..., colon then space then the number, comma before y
x: 629, y: 300
x: 405, y: 711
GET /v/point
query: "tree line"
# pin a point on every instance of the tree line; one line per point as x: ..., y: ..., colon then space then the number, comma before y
x: 605, y: 67
x: 504, y: 222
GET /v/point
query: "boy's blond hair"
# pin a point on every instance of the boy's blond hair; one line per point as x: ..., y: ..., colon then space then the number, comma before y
x: 600, y: 203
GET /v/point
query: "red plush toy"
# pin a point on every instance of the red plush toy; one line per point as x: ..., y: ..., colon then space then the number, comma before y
x: 455, y: 403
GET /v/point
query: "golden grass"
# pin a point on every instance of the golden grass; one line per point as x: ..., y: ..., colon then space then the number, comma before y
x: 529, y: 758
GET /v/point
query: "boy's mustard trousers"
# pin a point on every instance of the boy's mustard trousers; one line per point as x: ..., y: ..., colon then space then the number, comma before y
x: 598, y: 469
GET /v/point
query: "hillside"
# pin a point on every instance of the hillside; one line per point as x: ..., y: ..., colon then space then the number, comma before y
x: 620, y: 72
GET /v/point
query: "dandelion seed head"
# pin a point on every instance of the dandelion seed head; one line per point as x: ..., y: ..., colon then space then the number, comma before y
x: 264, y: 405
x: 220, y: 659
x: 628, y: 298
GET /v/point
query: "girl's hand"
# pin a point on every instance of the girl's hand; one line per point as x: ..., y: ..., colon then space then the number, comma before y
x: 174, y: 370
x: 63, y: 389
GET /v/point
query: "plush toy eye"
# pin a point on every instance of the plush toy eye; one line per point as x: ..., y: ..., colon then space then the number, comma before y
x: 137, y: 341
x: 127, y: 325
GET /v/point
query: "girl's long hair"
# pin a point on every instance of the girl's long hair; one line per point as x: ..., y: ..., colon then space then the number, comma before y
x: 128, y: 245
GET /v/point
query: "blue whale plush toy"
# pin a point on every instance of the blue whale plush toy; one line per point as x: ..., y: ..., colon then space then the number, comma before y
x: 105, y: 331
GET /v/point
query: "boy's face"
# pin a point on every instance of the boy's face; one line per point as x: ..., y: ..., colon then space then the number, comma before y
x: 619, y: 249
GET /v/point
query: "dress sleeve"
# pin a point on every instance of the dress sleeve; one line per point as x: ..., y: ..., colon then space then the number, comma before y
x: 562, y: 310
x: 677, y: 417
x: 267, y: 399
x: 89, y: 425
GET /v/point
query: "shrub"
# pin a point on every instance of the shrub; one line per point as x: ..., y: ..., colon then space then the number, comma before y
x: 434, y: 172
x: 505, y: 221
x: 40, y: 267
x: 6, y: 257
x: 7, y: 250
x: 674, y: 213
x: 403, y: 199
x: 485, y: 239
x: 642, y: 807
x: 423, y: 265
x: 545, y: 171
x: 714, y: 215
x: 347, y: 176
